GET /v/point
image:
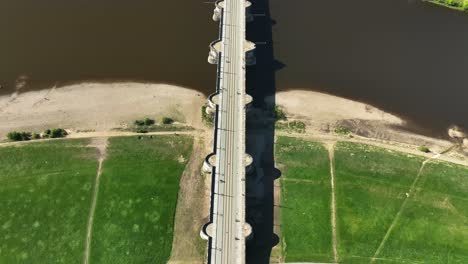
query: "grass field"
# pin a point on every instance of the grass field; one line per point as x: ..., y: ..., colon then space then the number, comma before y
x: 305, y: 200
x: 45, y: 191
x: 137, y: 199
x: 371, y: 185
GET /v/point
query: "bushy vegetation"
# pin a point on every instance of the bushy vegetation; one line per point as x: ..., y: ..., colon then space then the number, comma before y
x: 424, y: 149
x: 137, y: 199
x: 279, y: 114
x: 19, y: 136
x: 144, y: 122
x: 48, y: 133
x: 167, y: 121
x: 457, y: 4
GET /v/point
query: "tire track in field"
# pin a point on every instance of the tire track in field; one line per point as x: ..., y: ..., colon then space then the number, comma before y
x: 403, y: 205
x: 101, y: 145
x: 331, y: 156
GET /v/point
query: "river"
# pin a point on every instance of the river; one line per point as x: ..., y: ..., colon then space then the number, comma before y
x: 403, y: 56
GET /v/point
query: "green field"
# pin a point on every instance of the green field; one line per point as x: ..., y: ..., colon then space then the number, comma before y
x: 45, y: 191
x: 137, y: 199
x: 371, y: 185
x: 305, y: 200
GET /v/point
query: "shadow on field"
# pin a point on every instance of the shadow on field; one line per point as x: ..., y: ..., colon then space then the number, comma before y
x: 260, y: 136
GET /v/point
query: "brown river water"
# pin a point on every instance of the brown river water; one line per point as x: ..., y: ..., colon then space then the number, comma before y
x: 403, y: 56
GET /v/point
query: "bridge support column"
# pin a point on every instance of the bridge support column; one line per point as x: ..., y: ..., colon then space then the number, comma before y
x: 248, y: 12
x: 248, y: 231
x: 207, y: 231
x: 249, y: 167
x: 209, y: 163
x: 249, y: 48
x: 218, y: 11
x: 215, y: 49
x: 248, y: 100
x: 213, y: 101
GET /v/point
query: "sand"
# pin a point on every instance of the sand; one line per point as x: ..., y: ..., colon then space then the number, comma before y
x: 101, y: 107
x: 98, y: 106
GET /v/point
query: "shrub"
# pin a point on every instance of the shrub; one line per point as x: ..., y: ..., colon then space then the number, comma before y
x: 58, y: 133
x: 342, y: 130
x: 148, y: 122
x: 19, y: 136
x: 424, y: 149
x: 142, y: 131
x: 279, y: 114
x: 36, y: 136
x: 139, y: 122
x: 297, y: 126
x: 167, y: 120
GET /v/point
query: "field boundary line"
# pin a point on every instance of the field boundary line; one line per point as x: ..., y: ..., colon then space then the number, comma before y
x: 402, y: 207
x: 331, y: 156
x: 102, y: 147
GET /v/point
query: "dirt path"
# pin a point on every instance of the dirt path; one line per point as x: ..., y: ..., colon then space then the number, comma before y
x: 402, y: 208
x: 331, y: 155
x: 277, y: 251
x: 101, y: 145
x: 192, y: 210
x: 391, y: 145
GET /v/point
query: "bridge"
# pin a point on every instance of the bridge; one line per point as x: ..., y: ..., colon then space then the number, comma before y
x: 227, y: 230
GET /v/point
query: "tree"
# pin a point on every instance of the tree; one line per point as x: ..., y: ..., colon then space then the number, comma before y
x: 167, y: 120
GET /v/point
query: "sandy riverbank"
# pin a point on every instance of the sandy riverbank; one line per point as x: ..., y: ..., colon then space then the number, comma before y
x: 103, y: 106
x: 322, y: 113
x: 98, y: 106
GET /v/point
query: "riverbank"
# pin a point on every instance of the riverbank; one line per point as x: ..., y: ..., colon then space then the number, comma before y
x: 98, y: 106
x: 460, y: 5
x: 101, y: 107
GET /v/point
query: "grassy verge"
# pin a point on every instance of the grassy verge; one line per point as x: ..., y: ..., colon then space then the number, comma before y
x: 45, y: 191
x: 137, y: 199
x: 155, y: 128
x: 305, y: 200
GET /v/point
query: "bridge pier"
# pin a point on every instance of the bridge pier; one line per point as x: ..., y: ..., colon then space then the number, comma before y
x: 215, y: 49
x: 249, y: 48
x: 209, y: 163
x: 219, y: 6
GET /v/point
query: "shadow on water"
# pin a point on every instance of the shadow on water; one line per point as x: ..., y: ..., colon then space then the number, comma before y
x: 260, y: 136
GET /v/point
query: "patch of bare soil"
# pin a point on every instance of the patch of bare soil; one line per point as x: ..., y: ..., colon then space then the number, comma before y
x: 192, y: 210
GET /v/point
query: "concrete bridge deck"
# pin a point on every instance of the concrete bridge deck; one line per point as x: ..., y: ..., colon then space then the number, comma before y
x: 227, y: 230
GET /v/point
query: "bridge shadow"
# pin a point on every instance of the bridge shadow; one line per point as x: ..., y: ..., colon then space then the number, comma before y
x: 260, y: 136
